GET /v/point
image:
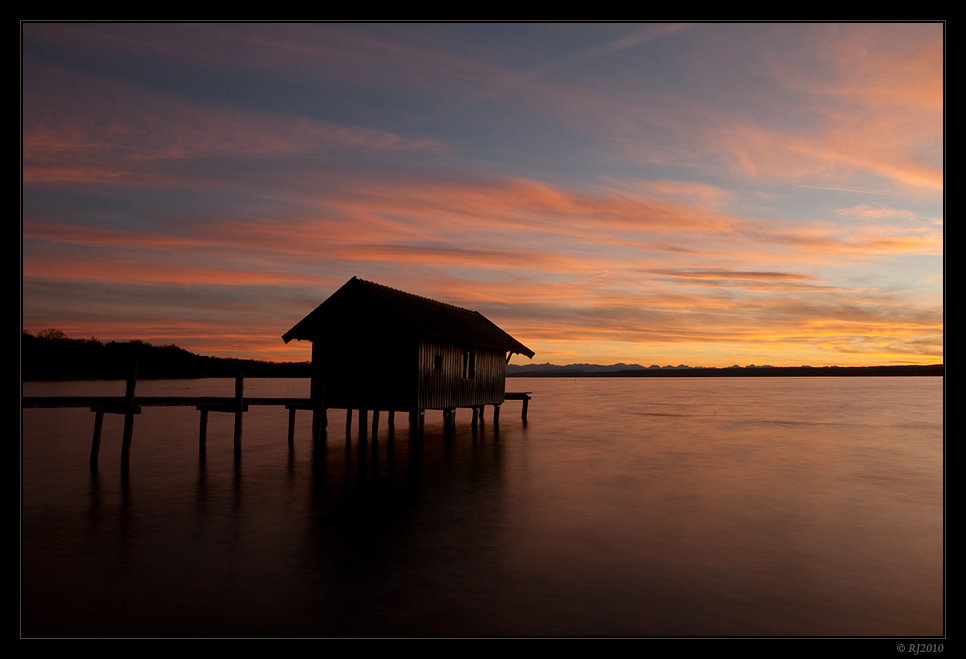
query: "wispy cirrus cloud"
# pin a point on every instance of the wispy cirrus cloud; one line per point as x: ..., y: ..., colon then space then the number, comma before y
x: 116, y: 131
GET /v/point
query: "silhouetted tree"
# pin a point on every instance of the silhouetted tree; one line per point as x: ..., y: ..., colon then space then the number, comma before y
x: 51, y: 333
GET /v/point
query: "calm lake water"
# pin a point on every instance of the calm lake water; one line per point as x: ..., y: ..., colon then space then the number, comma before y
x: 643, y: 507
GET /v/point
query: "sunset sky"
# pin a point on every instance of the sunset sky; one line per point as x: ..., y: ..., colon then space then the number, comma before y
x: 706, y: 194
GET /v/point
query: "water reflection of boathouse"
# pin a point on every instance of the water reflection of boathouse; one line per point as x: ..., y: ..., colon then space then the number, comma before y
x: 378, y: 348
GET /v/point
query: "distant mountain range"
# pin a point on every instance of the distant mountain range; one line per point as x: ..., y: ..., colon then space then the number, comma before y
x: 682, y: 370
x: 52, y: 356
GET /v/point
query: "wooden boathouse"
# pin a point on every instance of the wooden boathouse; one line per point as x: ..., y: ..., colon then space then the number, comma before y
x: 373, y: 348
x: 381, y: 349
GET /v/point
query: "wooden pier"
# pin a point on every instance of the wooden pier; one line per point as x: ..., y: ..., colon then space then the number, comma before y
x: 130, y: 405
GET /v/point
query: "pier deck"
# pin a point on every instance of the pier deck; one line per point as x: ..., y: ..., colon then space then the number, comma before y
x: 130, y: 405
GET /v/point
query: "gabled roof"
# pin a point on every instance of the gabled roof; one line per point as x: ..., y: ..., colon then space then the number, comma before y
x: 429, y: 318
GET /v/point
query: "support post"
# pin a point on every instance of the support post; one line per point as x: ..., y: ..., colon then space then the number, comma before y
x: 203, y: 430
x: 392, y: 418
x: 96, y: 441
x: 239, y: 407
x: 496, y: 414
x: 128, y: 417
x: 348, y: 422
x: 320, y: 420
x: 363, y: 424
x: 526, y: 401
x: 375, y: 422
x: 291, y: 426
x: 476, y: 415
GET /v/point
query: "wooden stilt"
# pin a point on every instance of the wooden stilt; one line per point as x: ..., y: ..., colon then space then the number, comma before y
x: 496, y: 414
x: 239, y: 410
x: 476, y: 415
x: 203, y: 430
x: 128, y: 417
x: 392, y: 418
x: 375, y: 422
x: 526, y: 401
x: 96, y: 441
x: 291, y: 426
x: 320, y: 421
x: 363, y: 424
x: 348, y: 423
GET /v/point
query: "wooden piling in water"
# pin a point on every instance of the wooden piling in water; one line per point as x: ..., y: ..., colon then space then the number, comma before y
x: 202, y: 430
x: 236, y: 405
x: 128, y: 417
x: 96, y: 441
x: 239, y: 410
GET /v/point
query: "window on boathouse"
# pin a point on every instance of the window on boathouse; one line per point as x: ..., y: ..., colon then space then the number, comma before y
x: 469, y: 365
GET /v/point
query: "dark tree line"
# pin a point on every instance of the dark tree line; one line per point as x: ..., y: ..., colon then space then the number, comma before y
x: 51, y: 355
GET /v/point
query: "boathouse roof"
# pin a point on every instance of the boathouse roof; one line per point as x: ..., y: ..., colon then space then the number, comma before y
x: 425, y: 317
